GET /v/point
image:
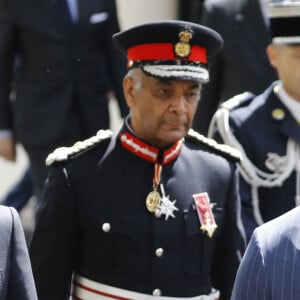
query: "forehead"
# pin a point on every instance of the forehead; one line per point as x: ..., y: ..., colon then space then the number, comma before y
x: 289, y: 48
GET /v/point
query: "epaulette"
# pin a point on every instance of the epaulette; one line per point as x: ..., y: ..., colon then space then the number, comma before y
x: 239, y: 100
x: 223, y: 149
x: 64, y: 153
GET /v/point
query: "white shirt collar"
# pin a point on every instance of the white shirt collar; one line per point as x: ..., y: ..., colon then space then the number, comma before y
x: 291, y: 104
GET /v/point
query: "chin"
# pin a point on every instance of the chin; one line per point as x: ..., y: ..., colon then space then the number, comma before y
x: 174, y: 136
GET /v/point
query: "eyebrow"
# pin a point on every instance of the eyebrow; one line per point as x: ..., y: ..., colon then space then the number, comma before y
x: 195, y: 85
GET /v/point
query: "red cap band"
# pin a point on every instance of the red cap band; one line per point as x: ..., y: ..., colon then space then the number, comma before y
x: 164, y: 51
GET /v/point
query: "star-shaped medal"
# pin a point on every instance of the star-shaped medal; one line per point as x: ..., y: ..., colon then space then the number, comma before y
x: 166, y: 207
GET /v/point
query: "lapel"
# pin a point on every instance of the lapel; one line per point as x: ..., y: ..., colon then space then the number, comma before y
x: 250, y: 19
x: 288, y: 126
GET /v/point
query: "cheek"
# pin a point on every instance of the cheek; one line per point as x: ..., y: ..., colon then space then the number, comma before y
x: 192, y: 111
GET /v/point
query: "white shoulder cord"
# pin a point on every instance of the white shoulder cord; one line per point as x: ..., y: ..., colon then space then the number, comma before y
x: 253, y: 176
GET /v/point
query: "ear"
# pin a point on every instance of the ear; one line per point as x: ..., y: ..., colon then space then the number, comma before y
x: 272, y: 55
x: 129, y: 90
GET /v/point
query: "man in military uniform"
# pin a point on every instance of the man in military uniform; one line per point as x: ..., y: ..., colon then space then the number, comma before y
x: 153, y: 212
x: 266, y: 128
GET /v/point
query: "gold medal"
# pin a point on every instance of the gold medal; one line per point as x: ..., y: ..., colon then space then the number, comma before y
x: 153, y: 200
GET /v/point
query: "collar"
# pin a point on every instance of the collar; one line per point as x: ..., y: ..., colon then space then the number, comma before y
x: 291, y: 104
x: 135, y: 145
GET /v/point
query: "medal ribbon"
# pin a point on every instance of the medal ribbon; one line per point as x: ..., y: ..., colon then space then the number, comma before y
x: 157, y: 175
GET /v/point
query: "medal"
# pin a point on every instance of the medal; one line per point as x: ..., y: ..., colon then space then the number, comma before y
x: 205, y: 214
x: 166, y: 207
x: 156, y: 203
x: 153, y: 200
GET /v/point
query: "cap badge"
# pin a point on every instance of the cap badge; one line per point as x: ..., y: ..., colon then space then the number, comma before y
x: 183, y: 48
x: 278, y: 114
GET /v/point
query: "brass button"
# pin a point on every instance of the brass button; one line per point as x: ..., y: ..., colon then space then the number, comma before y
x: 278, y: 114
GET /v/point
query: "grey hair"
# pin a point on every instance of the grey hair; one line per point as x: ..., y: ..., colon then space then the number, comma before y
x: 135, y: 74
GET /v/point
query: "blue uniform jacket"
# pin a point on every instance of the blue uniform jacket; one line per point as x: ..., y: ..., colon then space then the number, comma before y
x: 260, y: 133
x: 95, y: 187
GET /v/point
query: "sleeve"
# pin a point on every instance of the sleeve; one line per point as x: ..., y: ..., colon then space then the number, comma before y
x: 251, y: 279
x: 210, y: 96
x: 21, y: 283
x: 54, y: 245
x: 8, y: 36
x: 231, y: 242
x: 116, y: 60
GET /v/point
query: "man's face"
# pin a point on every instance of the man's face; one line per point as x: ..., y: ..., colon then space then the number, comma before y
x: 162, y: 111
x: 286, y: 59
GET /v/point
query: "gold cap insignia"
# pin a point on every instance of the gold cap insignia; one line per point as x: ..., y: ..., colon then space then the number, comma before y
x: 278, y: 114
x: 183, y: 48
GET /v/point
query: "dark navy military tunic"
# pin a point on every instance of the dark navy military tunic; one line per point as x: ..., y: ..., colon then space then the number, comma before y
x: 93, y: 220
x: 260, y: 133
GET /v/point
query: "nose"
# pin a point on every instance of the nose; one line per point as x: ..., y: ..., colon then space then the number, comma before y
x: 178, y: 104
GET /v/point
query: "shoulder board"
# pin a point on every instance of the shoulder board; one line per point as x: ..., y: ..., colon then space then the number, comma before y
x: 64, y: 153
x: 239, y: 100
x: 223, y: 149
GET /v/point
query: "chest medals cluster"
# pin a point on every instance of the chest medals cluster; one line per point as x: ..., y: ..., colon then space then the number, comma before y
x: 157, y: 202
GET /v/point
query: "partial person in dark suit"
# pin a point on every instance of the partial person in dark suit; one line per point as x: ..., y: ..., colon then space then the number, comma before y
x: 67, y: 66
x: 266, y: 128
x: 16, y: 280
x: 242, y: 65
x: 137, y: 215
x: 270, y: 268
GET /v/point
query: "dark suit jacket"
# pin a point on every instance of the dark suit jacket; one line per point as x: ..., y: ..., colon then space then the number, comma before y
x: 64, y: 71
x: 242, y: 65
x: 16, y: 280
x: 270, y: 267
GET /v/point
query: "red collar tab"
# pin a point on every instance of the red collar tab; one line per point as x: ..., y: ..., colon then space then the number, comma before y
x: 145, y: 151
x: 165, y: 51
